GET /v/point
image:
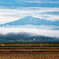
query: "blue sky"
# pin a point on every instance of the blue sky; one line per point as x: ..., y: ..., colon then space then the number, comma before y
x: 29, y: 3
x: 11, y: 10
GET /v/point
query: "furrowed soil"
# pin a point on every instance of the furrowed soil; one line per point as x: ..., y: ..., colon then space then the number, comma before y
x: 29, y: 52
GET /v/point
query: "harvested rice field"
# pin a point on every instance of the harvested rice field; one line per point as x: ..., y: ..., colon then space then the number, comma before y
x: 29, y: 52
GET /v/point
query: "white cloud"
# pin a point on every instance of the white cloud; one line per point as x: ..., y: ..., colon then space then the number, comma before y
x: 51, y: 27
x: 5, y: 19
x: 50, y: 33
x: 43, y: 1
x: 48, y: 17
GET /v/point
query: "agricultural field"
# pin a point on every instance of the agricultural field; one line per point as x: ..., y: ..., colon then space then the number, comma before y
x: 29, y: 53
x: 29, y: 50
x: 30, y: 44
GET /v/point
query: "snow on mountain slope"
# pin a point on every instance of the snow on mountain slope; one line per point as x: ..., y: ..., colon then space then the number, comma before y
x: 29, y: 20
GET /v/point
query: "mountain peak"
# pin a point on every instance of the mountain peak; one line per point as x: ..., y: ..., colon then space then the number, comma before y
x: 30, y: 17
x: 29, y: 20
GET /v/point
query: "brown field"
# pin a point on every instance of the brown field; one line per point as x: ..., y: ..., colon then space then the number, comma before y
x: 29, y: 55
x: 29, y: 52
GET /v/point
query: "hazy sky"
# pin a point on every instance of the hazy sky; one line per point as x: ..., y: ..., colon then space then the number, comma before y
x: 11, y: 10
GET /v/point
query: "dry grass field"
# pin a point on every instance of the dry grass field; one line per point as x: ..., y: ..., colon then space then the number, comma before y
x: 29, y: 52
x: 29, y: 55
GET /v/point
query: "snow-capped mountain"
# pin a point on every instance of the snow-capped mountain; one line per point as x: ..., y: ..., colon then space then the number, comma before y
x: 29, y: 20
